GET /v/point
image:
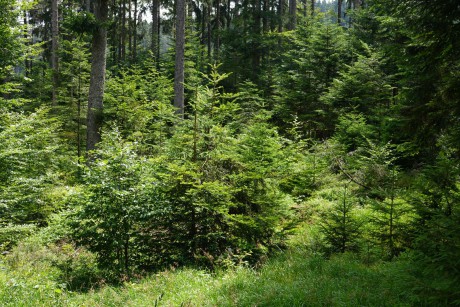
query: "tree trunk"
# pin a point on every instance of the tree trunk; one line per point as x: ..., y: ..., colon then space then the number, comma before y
x: 217, y: 44
x: 209, y: 31
x: 155, y: 28
x: 134, y: 57
x: 339, y: 11
x: 180, y: 54
x: 281, y: 16
x: 256, y: 54
x: 123, y: 31
x: 130, y: 30
x: 292, y: 14
x: 265, y: 25
x: 228, y: 14
x: 120, y: 40
x: 114, y: 38
x: 54, y: 49
x: 97, y: 81
x: 203, y: 24
x: 312, y: 7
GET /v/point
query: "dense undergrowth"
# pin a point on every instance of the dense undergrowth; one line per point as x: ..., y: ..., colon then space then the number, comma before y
x: 295, y: 277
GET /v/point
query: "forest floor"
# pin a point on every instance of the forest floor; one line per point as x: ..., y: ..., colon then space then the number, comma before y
x: 293, y: 277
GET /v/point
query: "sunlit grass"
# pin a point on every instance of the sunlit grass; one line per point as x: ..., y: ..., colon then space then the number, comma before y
x: 292, y: 278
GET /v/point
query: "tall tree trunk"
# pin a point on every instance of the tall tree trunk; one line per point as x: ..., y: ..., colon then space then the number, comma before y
x: 217, y: 44
x: 135, y: 32
x: 156, y: 29
x: 265, y: 25
x: 130, y: 30
x: 97, y: 81
x: 114, y: 38
x: 180, y: 54
x: 292, y: 14
x: 312, y: 7
x: 120, y: 40
x: 123, y: 31
x: 339, y: 11
x: 209, y: 31
x: 228, y: 14
x: 203, y: 24
x: 54, y: 49
x: 280, y: 16
x: 256, y: 53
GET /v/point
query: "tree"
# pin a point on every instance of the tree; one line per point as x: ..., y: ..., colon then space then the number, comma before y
x: 340, y: 225
x: 9, y: 32
x: 180, y: 58
x: 339, y: 11
x: 363, y: 88
x: 292, y: 14
x: 97, y: 82
x: 54, y: 48
x: 156, y: 29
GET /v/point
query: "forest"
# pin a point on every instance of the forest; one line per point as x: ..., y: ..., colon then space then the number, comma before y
x: 229, y: 153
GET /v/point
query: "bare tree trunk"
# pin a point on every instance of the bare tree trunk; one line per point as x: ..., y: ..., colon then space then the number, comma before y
x: 155, y: 29
x: 120, y: 40
x: 180, y: 54
x: 292, y: 14
x: 256, y: 52
x: 265, y: 25
x: 203, y: 24
x: 339, y: 11
x: 217, y: 45
x: 97, y: 81
x: 114, y: 38
x: 135, y: 32
x: 123, y: 31
x: 54, y: 49
x: 209, y: 31
x: 281, y: 16
x: 228, y: 14
x: 130, y: 30
x: 312, y: 7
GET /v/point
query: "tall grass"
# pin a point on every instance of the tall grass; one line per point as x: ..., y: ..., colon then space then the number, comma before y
x: 292, y: 278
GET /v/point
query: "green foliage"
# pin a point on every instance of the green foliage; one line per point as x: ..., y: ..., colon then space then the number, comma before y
x: 210, y: 192
x: 73, y: 87
x: 80, y: 22
x: 294, y: 277
x: 9, y: 30
x: 268, y: 141
x: 111, y: 204
x: 340, y: 225
x: 11, y: 234
x: 35, y: 269
x: 29, y: 166
x: 363, y: 88
x: 317, y: 51
x: 436, y: 199
x: 352, y: 131
x: 138, y: 102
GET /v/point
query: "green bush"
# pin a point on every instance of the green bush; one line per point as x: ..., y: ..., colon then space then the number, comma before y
x: 11, y: 234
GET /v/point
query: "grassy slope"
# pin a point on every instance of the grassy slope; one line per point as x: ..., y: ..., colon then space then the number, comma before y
x: 292, y: 278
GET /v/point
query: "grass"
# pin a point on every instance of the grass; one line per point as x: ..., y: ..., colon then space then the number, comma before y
x: 292, y: 278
